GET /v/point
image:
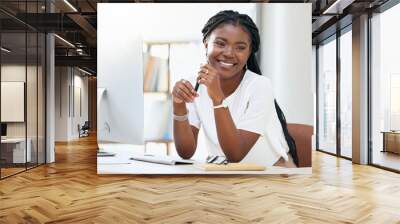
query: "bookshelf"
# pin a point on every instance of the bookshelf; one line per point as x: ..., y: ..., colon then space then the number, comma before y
x: 157, y: 95
x: 165, y: 62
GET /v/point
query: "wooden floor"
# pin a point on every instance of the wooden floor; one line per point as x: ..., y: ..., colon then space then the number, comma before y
x: 10, y: 171
x: 70, y: 191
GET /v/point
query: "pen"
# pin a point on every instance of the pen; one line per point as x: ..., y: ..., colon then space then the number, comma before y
x: 197, y: 82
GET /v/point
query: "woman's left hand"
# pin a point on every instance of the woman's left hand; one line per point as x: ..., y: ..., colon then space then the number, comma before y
x: 209, y: 77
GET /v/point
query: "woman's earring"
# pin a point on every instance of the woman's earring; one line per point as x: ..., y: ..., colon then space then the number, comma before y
x: 245, y: 67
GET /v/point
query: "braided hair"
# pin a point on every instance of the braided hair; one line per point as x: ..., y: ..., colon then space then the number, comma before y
x: 235, y: 18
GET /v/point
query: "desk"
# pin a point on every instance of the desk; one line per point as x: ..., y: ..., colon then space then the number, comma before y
x: 391, y: 141
x: 17, y: 150
x: 121, y: 164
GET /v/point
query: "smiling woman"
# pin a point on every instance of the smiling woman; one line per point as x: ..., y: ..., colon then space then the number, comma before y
x: 234, y: 105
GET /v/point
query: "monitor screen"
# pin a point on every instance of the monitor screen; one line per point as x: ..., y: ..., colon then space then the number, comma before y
x: 3, y: 129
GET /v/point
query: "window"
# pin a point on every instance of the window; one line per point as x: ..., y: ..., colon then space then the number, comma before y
x: 346, y: 94
x: 22, y: 65
x: 327, y: 96
x: 385, y: 89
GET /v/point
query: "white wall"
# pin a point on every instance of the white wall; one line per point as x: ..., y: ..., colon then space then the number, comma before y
x: 33, y: 127
x: 15, y: 73
x: 61, y: 103
x: 80, y: 83
x: 169, y: 22
x: 12, y: 73
x: 67, y: 81
x: 285, y: 57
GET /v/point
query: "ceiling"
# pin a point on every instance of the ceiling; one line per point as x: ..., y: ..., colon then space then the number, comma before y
x: 76, y: 22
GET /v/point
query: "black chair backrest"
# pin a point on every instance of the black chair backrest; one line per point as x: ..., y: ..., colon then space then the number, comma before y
x: 86, y: 125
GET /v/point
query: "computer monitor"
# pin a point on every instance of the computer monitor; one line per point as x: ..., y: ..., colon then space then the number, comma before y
x: 3, y: 129
x: 120, y: 100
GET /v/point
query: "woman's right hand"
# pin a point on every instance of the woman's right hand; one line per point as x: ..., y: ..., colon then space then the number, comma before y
x: 183, y: 92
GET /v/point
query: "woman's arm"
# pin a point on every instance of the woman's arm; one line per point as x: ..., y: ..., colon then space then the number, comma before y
x: 235, y: 143
x: 185, y: 136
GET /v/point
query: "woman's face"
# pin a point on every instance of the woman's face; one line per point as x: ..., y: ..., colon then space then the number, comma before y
x: 228, y: 48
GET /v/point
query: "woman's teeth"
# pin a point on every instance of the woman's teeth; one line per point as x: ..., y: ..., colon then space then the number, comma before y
x: 226, y: 64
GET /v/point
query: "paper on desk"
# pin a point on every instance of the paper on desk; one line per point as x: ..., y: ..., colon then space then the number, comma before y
x: 113, y: 160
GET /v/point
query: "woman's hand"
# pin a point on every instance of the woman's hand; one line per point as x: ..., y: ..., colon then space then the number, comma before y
x: 209, y: 77
x: 183, y: 92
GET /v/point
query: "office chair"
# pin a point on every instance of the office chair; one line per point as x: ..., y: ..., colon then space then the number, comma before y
x: 302, y: 135
x: 84, y: 130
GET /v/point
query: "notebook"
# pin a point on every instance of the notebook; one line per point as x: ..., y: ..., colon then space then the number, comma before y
x: 167, y: 160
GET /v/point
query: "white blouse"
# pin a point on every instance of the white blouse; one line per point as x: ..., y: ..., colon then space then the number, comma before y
x: 252, y: 109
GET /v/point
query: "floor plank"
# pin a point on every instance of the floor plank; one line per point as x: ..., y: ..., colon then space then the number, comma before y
x: 70, y: 191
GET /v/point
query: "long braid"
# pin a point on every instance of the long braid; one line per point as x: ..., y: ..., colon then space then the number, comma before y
x: 235, y: 18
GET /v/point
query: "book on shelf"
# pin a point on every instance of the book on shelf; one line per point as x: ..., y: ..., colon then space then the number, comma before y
x: 156, y: 75
x: 163, y: 79
x: 148, y: 72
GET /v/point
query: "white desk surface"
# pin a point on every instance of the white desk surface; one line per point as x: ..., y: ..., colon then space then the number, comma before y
x: 121, y: 164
